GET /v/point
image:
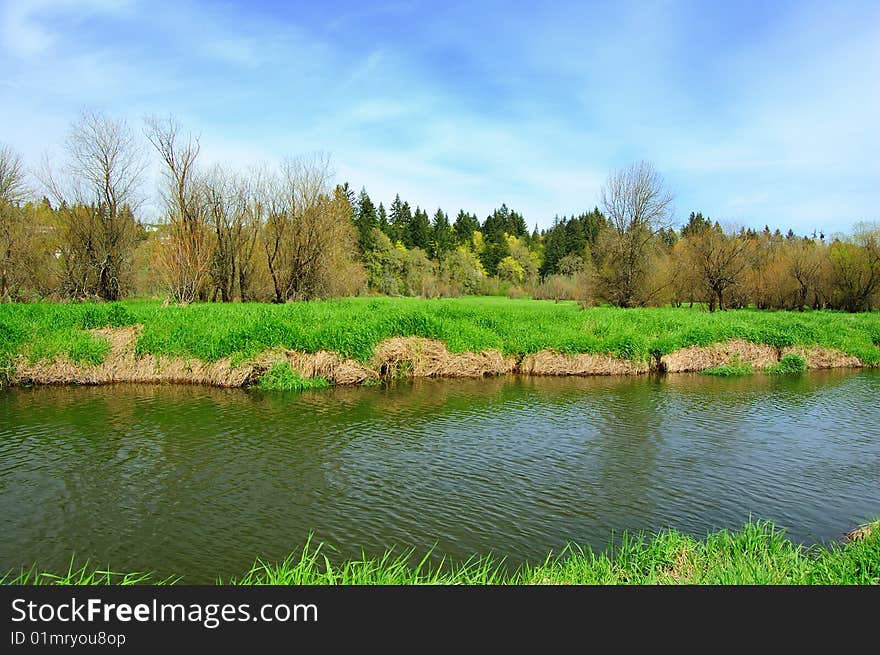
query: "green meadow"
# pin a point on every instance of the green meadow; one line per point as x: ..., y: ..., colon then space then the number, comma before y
x: 354, y: 326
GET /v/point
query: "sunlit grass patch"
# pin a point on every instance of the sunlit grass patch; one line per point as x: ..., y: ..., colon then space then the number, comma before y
x: 353, y: 327
x: 757, y: 554
x: 280, y: 377
x: 733, y: 369
x: 789, y: 364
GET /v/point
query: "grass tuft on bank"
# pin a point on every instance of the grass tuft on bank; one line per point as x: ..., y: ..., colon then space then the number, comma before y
x: 759, y: 553
x: 353, y: 327
x: 791, y: 363
x: 280, y: 377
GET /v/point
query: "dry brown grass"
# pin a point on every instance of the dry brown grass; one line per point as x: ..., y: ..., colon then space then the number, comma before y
x: 420, y: 357
x: 682, y: 568
x: 863, y: 532
x: 700, y: 358
x: 818, y: 357
x: 410, y: 357
x: 122, y: 365
x: 547, y: 362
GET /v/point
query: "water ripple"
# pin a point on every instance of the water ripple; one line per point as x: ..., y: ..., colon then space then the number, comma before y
x: 195, y: 480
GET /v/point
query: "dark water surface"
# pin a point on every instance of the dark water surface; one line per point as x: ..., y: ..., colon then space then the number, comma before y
x: 200, y: 481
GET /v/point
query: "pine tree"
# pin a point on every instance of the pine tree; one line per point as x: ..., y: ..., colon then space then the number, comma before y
x: 495, y: 225
x: 554, y: 247
x: 348, y: 192
x: 516, y: 225
x: 464, y: 227
x: 441, y: 235
x: 419, y: 230
x: 400, y: 218
x: 382, y: 219
x: 696, y: 224
x: 365, y: 220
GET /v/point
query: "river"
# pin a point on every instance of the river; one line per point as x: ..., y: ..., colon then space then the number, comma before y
x: 200, y: 481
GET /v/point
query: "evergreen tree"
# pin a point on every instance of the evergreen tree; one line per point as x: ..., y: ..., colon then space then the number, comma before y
x: 696, y: 224
x: 492, y: 254
x: 495, y: 225
x: 516, y: 225
x: 441, y: 235
x: 504, y: 221
x: 365, y: 219
x: 419, y: 231
x: 348, y: 192
x: 399, y: 219
x: 382, y: 219
x: 554, y: 247
x: 464, y: 227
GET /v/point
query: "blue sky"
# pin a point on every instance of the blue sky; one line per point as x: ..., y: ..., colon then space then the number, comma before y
x: 765, y: 112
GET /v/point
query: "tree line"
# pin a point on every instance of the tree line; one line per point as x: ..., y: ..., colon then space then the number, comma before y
x: 75, y: 229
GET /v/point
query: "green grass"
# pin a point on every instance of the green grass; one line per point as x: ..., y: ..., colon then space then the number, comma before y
x: 280, y: 377
x: 81, y: 575
x: 757, y: 554
x: 734, y: 369
x: 354, y: 326
x: 790, y: 363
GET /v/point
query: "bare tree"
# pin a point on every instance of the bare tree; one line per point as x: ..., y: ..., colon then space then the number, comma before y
x: 253, y: 221
x: 274, y: 215
x: 12, y: 193
x: 185, y: 253
x: 637, y: 204
x: 13, y: 187
x: 293, y: 231
x: 233, y: 220
x: 855, y: 269
x: 806, y: 261
x: 97, y: 193
x: 309, y: 235
x: 719, y: 261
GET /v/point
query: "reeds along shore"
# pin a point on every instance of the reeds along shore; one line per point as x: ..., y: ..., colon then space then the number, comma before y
x: 358, y: 340
x: 758, y: 553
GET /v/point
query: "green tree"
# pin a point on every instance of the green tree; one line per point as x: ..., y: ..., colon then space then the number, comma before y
x: 464, y: 227
x: 365, y: 219
x: 442, y: 238
x: 400, y: 217
x: 382, y: 220
x: 419, y: 230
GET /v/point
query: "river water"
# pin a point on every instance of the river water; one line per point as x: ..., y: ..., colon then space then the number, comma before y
x: 200, y: 481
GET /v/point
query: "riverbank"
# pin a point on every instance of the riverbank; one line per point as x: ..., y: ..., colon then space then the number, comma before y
x: 363, y: 340
x: 757, y: 554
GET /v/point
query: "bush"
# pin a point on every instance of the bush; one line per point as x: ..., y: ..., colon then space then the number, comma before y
x: 567, y: 287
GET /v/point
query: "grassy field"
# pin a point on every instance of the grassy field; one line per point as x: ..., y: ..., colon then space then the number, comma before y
x: 756, y: 554
x: 354, y: 326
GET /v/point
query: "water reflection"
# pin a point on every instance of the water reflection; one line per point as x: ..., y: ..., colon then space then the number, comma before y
x: 200, y: 480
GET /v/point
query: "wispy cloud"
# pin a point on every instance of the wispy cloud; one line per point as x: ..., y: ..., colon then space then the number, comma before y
x: 757, y: 113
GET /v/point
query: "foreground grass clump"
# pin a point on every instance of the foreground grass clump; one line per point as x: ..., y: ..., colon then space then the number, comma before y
x: 280, y: 377
x: 353, y: 327
x: 82, y: 575
x: 734, y: 369
x: 790, y: 363
x: 757, y: 554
